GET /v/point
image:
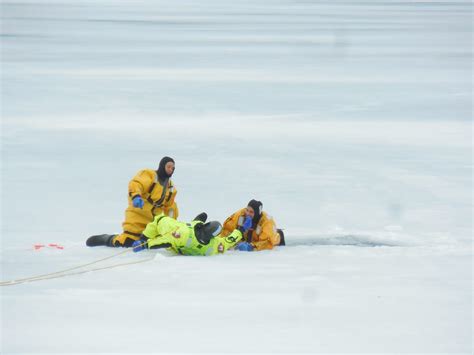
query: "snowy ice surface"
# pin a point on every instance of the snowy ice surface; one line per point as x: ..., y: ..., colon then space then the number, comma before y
x: 350, y: 120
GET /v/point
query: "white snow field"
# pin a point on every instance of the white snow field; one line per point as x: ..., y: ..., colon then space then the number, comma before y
x: 350, y: 120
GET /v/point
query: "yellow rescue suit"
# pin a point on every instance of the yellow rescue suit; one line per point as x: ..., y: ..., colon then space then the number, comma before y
x: 264, y: 236
x: 158, y: 197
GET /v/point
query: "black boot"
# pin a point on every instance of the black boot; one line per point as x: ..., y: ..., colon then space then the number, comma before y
x: 102, y: 239
x: 282, y: 237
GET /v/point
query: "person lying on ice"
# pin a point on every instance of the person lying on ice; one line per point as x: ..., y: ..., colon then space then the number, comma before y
x: 263, y: 233
x: 150, y: 193
x: 194, y: 238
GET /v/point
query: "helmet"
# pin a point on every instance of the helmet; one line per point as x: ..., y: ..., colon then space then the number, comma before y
x: 204, y: 232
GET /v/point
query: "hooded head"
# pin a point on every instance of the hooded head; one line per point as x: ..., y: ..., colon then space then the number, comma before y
x: 164, y: 172
x: 256, y: 209
x: 204, y: 232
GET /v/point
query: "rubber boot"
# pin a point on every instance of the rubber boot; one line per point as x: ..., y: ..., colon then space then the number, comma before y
x: 282, y: 237
x: 98, y: 240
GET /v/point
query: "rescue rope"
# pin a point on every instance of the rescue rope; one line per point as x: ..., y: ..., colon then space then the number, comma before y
x: 54, y: 276
x: 66, y: 272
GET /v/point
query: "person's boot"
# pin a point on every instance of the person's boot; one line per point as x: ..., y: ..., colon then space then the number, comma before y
x: 282, y: 237
x: 98, y: 240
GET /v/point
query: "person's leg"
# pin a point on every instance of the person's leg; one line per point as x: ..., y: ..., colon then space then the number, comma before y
x: 135, y: 223
x: 124, y: 240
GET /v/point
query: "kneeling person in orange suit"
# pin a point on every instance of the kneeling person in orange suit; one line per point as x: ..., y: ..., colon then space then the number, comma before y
x: 263, y: 234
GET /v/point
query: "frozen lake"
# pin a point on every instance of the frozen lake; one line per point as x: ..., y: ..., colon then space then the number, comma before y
x: 350, y: 120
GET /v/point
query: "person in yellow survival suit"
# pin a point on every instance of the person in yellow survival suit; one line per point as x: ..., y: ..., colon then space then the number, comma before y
x: 262, y: 235
x: 150, y: 193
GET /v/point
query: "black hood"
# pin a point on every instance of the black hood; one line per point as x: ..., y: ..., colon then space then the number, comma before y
x: 204, y: 232
x: 162, y: 175
x: 257, y: 207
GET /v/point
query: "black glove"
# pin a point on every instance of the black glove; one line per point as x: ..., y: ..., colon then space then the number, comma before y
x: 201, y: 217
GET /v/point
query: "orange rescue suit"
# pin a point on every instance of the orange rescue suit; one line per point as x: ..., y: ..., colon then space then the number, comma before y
x: 157, y: 199
x: 264, y: 236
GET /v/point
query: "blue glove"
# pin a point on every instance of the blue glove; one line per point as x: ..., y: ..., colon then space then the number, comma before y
x: 139, y: 245
x: 138, y: 202
x: 246, y: 225
x: 244, y: 246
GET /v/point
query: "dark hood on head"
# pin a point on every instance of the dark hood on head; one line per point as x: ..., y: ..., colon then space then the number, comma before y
x: 204, y: 232
x: 257, y: 207
x: 162, y: 175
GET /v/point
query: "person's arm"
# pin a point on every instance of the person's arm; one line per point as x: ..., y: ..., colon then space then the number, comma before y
x: 268, y: 238
x: 221, y: 245
x: 231, y: 223
x: 159, y: 232
x: 140, y: 183
x: 159, y: 243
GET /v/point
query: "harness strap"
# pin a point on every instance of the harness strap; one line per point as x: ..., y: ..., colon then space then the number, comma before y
x: 170, y: 192
x: 152, y: 186
x: 159, y: 202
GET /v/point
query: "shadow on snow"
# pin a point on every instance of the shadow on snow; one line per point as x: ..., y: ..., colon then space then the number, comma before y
x: 343, y: 240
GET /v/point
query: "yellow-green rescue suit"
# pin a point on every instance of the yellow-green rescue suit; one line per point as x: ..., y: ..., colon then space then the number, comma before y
x: 195, y: 238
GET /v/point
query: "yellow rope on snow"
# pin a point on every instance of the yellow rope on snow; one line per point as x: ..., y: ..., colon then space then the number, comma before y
x: 56, y: 275
x: 66, y: 272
